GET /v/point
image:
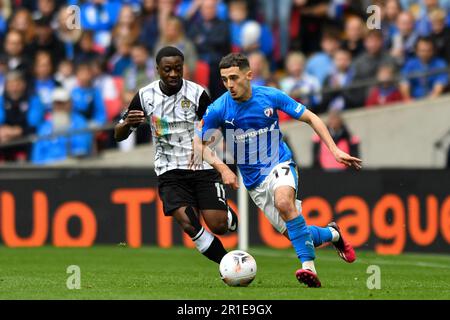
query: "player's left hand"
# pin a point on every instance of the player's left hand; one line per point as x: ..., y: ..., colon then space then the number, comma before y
x: 347, y: 159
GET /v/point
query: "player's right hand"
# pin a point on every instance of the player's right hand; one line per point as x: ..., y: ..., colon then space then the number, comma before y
x: 135, y: 118
x: 230, y: 179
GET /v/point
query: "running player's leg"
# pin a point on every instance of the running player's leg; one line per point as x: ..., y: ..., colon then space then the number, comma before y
x: 320, y: 235
x: 177, y: 192
x: 205, y: 242
x: 299, y: 235
x: 212, y: 202
x: 216, y: 220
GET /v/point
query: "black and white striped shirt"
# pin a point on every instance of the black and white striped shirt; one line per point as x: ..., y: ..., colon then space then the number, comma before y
x: 172, y: 119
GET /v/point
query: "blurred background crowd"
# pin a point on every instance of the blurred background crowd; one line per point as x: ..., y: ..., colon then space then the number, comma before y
x: 60, y: 71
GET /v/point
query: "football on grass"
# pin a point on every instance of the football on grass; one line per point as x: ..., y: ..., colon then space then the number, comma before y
x: 237, y: 268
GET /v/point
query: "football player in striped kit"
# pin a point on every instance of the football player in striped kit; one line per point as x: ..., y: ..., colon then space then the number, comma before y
x: 172, y: 105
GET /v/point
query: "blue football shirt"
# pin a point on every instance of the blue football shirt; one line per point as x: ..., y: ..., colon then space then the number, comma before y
x: 251, y: 130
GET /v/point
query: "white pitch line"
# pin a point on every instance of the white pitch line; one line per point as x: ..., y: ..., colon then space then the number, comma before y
x: 374, y: 261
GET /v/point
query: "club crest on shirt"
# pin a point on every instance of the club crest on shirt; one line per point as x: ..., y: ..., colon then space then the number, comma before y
x: 268, y: 112
x: 185, y: 104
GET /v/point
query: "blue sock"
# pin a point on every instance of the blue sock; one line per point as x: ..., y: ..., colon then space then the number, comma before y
x: 320, y: 235
x: 301, y: 238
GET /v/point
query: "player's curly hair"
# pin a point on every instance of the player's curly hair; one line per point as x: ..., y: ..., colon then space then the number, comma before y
x: 234, y: 60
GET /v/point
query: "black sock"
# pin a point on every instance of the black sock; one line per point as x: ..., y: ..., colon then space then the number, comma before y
x: 215, y: 251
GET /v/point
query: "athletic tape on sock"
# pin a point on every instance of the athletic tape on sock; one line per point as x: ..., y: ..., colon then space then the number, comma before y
x: 203, y: 240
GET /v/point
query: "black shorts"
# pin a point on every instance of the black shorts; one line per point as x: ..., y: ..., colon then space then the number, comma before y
x: 201, y: 189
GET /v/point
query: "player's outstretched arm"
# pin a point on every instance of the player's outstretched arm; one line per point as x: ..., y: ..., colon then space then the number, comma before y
x: 321, y: 129
x: 133, y: 119
x: 202, y: 152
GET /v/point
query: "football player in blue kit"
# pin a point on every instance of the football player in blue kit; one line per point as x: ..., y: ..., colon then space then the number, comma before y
x: 246, y: 115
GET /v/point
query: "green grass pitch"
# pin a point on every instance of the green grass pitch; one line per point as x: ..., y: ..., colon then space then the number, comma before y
x: 115, y: 272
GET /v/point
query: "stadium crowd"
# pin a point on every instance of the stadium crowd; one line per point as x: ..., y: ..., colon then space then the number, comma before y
x: 57, y: 74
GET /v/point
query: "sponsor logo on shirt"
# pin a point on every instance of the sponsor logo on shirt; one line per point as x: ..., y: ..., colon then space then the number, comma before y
x: 252, y: 133
x: 268, y: 112
x: 162, y: 127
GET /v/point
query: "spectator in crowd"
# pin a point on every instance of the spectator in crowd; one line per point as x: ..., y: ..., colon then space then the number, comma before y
x: 239, y: 26
x: 142, y: 69
x: 323, y: 158
x: 440, y: 34
x: 100, y: 16
x: 20, y: 114
x: 38, y: 42
x: 86, y: 98
x: 110, y: 88
x: 149, y: 24
x: 367, y: 64
x: 5, y: 12
x: 238, y: 16
x: 336, y: 97
x: 23, y: 22
x: 298, y: 84
x: 315, y: 16
x: 425, y: 61
x: 278, y: 13
x: 211, y: 37
x: 321, y: 63
x: 85, y: 49
x: 386, y: 91
x: 46, y: 10
x: 166, y: 9
x: 61, y: 120
x: 190, y: 10
x: 404, y: 40
x: 65, y: 75
x: 44, y: 82
x: 390, y: 12
x: 139, y: 74
x: 120, y: 56
x: 45, y: 39
x: 420, y: 8
x: 67, y: 35
x: 136, y: 5
x: 423, y: 23
x: 173, y: 35
x: 127, y: 26
x: 354, y: 36
x: 15, y: 52
x: 260, y: 68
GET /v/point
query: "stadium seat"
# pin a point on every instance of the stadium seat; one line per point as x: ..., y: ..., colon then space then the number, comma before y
x: 202, y: 73
x: 114, y: 106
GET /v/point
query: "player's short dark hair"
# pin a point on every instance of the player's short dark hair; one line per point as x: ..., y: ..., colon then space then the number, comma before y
x: 234, y: 60
x: 168, y: 52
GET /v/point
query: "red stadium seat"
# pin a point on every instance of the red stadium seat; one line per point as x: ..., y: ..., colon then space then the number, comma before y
x: 202, y: 73
x: 114, y: 106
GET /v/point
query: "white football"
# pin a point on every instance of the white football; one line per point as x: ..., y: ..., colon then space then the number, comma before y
x: 237, y: 268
